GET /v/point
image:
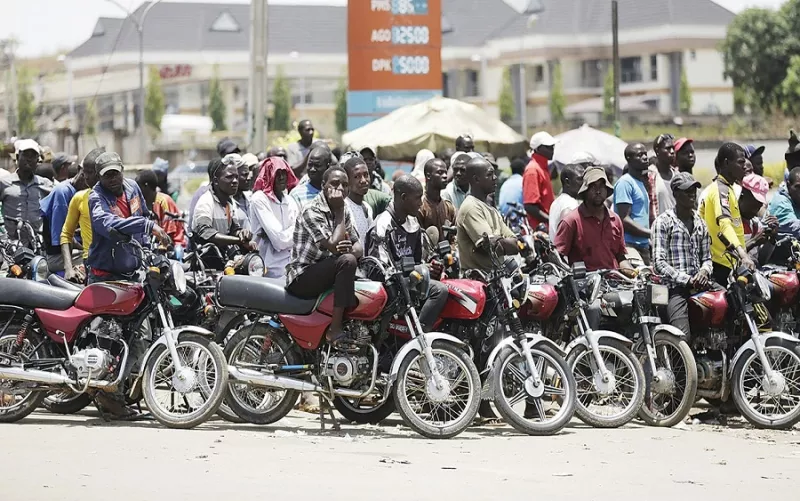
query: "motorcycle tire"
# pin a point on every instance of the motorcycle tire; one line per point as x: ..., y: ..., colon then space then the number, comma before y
x: 363, y: 415
x: 684, y: 405
x: 214, y: 398
x: 624, y: 354
x: 21, y: 409
x: 233, y: 400
x: 750, y: 358
x: 566, y: 399
x: 412, y: 417
x: 66, y: 402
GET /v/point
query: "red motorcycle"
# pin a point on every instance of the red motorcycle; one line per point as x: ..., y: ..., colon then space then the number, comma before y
x: 84, y: 341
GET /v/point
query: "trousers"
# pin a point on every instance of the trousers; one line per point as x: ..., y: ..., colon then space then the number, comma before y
x: 432, y: 308
x: 338, y: 272
x: 678, y: 311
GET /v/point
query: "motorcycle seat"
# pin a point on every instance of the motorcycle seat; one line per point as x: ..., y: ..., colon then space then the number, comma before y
x: 262, y: 294
x: 35, y: 295
x: 57, y: 281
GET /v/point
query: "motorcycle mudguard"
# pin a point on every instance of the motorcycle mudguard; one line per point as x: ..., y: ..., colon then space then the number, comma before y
x: 599, y: 334
x: 668, y: 329
x: 177, y: 331
x: 228, y: 319
x: 766, y: 338
x: 535, y: 339
x: 414, y: 345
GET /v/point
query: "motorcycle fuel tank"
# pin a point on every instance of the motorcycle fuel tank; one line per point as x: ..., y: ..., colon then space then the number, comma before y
x: 708, y: 309
x: 466, y: 299
x: 372, y: 299
x: 110, y: 298
x: 542, y: 301
x: 785, y: 287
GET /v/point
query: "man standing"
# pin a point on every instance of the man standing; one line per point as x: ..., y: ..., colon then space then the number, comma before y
x: 720, y: 211
x: 296, y: 152
x: 756, y: 157
x: 458, y: 189
x: 785, y: 204
x: 758, y: 232
x: 465, y: 143
x: 358, y: 176
x: 537, y: 187
x: 61, y: 166
x: 436, y: 211
x: 511, y: 190
x: 682, y: 250
x: 159, y: 203
x: 685, y: 157
x: 242, y: 196
x: 370, y: 156
x: 22, y: 192
x: 664, y: 147
x: 592, y: 234
x: 227, y: 147
x: 318, y: 162
x: 567, y: 201
x: 632, y: 201
x: 78, y: 215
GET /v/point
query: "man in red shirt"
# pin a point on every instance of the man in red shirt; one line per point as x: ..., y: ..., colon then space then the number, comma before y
x: 537, y: 188
x: 592, y: 234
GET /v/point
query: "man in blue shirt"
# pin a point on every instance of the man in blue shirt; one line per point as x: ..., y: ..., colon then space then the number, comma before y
x: 318, y: 162
x: 785, y: 204
x: 632, y: 201
x: 511, y: 190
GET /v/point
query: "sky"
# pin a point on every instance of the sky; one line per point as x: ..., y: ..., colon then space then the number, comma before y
x: 45, y: 27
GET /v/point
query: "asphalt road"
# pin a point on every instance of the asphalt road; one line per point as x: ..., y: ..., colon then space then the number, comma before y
x: 65, y: 458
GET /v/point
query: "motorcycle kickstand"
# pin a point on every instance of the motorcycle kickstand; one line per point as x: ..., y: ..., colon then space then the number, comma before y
x: 99, y: 408
x: 325, y: 405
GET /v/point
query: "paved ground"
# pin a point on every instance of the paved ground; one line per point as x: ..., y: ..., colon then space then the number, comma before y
x: 47, y: 457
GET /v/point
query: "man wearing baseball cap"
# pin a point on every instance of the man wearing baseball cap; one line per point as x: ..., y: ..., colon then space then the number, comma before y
x: 757, y: 231
x: 21, y: 192
x: 685, y: 157
x: 785, y: 204
x: 682, y: 249
x: 537, y: 188
x: 756, y: 156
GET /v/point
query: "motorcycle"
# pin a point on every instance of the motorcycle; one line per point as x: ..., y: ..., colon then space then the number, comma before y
x: 785, y: 286
x: 434, y: 383
x: 57, y: 340
x: 759, y: 370
x: 23, y: 263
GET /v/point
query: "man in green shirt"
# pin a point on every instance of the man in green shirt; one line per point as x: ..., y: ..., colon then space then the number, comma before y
x: 477, y: 217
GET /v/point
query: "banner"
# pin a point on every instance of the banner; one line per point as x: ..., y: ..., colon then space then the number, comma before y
x: 394, y: 50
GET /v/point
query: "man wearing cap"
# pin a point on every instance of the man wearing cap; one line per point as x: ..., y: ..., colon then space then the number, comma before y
x: 537, y: 188
x: 758, y: 232
x: 61, y: 166
x: 117, y: 203
x: 632, y: 201
x: 682, y: 249
x: 457, y: 190
x: 297, y: 151
x: 685, y: 157
x: 227, y: 147
x: 756, y: 157
x: 785, y: 204
x: 592, y: 234
x: 370, y: 156
x: 22, y: 192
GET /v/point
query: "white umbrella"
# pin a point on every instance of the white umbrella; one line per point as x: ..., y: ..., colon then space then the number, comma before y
x: 434, y: 125
x: 606, y: 149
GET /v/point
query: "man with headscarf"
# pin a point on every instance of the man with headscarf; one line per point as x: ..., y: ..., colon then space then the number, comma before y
x: 419, y: 164
x: 273, y: 214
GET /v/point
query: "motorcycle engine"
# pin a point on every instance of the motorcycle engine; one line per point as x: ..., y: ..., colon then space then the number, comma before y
x: 710, y: 373
x: 714, y: 340
x: 92, y: 363
x: 345, y: 368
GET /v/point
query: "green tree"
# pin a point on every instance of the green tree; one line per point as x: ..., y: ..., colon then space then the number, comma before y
x: 281, y: 102
x: 608, y: 97
x: 341, y: 106
x: 557, y: 100
x: 506, y: 99
x: 790, y: 89
x: 685, y: 94
x: 757, y: 51
x: 26, y: 107
x: 216, y: 103
x: 154, y: 100
x: 90, y: 119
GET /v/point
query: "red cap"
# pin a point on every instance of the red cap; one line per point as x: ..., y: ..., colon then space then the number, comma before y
x: 681, y: 142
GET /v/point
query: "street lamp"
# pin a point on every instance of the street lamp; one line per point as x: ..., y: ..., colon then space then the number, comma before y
x: 140, y: 29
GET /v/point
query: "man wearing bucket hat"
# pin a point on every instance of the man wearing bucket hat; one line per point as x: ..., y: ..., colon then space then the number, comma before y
x: 758, y: 232
x: 682, y: 249
x: 592, y: 234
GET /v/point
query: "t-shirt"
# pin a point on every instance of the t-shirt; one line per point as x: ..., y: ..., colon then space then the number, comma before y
x: 630, y: 190
x: 474, y: 219
x: 78, y: 214
x: 563, y: 205
x: 362, y: 218
x: 584, y: 238
x: 122, y: 208
x: 304, y: 193
x: 665, y: 200
x: 537, y: 188
x: 437, y: 214
x: 720, y: 210
x: 510, y: 192
x: 406, y: 238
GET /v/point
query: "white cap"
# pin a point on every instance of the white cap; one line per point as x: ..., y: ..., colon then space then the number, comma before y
x: 26, y: 144
x: 249, y: 159
x: 582, y: 157
x: 542, y: 139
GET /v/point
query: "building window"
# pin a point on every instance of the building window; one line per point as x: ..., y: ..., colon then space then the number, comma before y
x: 693, y: 55
x: 172, y: 99
x: 473, y: 87
x: 630, y: 69
x: 445, y: 84
x: 538, y: 73
x: 593, y: 73
x: 105, y: 113
x: 654, y: 67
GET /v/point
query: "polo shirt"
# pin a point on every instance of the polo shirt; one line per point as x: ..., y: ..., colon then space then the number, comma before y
x: 584, y: 238
x: 630, y: 190
x: 537, y: 188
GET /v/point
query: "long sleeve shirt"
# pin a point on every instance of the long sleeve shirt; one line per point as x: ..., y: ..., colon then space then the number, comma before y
x: 272, y: 224
x: 720, y: 211
x: 678, y: 255
x: 782, y: 207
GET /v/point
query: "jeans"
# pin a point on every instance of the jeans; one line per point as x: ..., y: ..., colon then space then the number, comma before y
x: 678, y: 311
x: 433, y: 306
x: 338, y: 272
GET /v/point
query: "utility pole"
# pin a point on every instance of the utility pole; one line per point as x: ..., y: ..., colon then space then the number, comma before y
x: 7, y: 51
x: 259, y: 40
x: 617, y: 76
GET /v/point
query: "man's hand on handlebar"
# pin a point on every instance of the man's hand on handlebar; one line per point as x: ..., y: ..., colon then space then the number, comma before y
x: 700, y: 280
x: 436, y: 268
x: 161, y: 235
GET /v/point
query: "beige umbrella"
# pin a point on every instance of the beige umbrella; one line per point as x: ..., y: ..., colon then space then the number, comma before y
x: 435, y: 124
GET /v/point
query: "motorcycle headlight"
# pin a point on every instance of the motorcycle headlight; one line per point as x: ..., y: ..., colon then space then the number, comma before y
x: 179, y: 277
x: 255, y: 265
x: 40, y: 270
x: 659, y: 295
x: 763, y: 286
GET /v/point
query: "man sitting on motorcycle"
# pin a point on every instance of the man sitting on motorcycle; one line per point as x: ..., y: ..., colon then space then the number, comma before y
x: 758, y: 232
x: 785, y: 205
x: 406, y: 240
x: 326, y: 251
x: 682, y: 249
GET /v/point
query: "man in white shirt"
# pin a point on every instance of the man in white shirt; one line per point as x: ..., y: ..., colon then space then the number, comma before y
x: 359, y: 177
x: 567, y: 201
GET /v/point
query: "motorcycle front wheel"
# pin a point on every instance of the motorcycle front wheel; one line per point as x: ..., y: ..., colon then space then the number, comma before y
x: 441, y: 411
x: 535, y: 411
x: 769, y: 404
x: 612, y: 403
x: 670, y: 399
x: 188, y: 397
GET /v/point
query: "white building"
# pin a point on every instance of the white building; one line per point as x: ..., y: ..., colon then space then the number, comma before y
x: 189, y: 41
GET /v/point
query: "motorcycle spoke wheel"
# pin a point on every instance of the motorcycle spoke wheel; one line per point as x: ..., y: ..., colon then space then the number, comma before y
x: 14, y: 394
x: 543, y: 409
x: 769, y: 404
x: 669, y: 400
x: 257, y: 399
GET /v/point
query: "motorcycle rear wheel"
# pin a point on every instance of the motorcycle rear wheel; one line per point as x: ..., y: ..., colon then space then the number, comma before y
x: 510, y: 372
x: 200, y: 357
x: 748, y: 383
x: 672, y: 406
x: 66, y: 402
x: 357, y: 413
x: 240, y: 397
x: 618, y: 358
x: 412, y: 395
x: 19, y: 408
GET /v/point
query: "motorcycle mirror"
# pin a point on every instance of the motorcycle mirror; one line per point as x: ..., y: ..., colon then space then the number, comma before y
x: 579, y: 270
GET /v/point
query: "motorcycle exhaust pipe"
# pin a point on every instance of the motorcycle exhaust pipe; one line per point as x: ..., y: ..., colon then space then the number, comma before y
x: 47, y: 378
x: 256, y: 378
